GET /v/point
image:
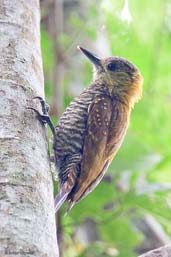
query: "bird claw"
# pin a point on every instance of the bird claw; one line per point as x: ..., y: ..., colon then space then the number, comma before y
x: 44, y: 118
x: 44, y: 105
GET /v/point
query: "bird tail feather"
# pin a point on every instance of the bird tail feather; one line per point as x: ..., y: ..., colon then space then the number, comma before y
x: 60, y: 199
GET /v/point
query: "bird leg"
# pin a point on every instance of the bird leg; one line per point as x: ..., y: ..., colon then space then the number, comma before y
x: 44, y: 118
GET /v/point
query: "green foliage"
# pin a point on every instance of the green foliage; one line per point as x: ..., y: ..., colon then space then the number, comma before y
x: 47, y: 51
x: 140, y: 173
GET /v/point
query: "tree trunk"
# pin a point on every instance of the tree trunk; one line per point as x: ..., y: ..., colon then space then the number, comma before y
x: 27, y: 221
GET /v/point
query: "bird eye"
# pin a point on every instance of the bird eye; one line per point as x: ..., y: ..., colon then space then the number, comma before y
x: 111, y: 66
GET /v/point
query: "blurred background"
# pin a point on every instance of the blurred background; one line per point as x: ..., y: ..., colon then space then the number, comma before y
x: 130, y: 211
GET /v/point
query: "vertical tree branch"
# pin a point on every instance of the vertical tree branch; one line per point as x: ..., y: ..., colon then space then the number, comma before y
x: 164, y: 251
x: 59, y: 69
x: 54, y: 24
x: 27, y: 226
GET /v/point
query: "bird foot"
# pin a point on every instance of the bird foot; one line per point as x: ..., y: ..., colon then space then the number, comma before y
x: 44, y: 118
x: 44, y: 105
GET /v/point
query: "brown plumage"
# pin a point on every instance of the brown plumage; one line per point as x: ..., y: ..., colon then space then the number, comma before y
x: 92, y: 128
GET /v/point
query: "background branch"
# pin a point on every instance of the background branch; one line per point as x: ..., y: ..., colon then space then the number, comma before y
x: 164, y: 251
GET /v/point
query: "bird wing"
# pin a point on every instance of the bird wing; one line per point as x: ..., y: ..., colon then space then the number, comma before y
x: 118, y: 124
x: 94, y: 162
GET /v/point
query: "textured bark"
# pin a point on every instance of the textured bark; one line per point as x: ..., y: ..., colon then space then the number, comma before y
x: 27, y: 223
x: 164, y: 251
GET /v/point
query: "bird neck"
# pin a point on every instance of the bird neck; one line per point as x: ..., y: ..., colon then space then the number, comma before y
x: 123, y: 98
x: 100, y: 86
x: 117, y: 93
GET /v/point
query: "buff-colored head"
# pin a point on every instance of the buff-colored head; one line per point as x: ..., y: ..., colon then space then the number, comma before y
x: 119, y: 75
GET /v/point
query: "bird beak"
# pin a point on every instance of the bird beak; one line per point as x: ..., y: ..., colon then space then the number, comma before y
x: 92, y: 57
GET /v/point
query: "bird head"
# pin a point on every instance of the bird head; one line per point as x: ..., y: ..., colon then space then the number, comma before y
x: 120, y: 76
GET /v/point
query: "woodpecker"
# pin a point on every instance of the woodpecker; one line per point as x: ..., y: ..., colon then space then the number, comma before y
x: 92, y: 128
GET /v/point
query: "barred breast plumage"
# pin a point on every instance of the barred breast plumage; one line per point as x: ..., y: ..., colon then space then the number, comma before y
x: 71, y: 129
x: 92, y: 128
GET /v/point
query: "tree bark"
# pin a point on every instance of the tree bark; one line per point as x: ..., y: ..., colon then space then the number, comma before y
x: 27, y: 221
x: 164, y: 251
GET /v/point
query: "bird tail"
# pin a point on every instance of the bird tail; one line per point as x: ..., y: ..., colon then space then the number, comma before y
x: 60, y: 199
